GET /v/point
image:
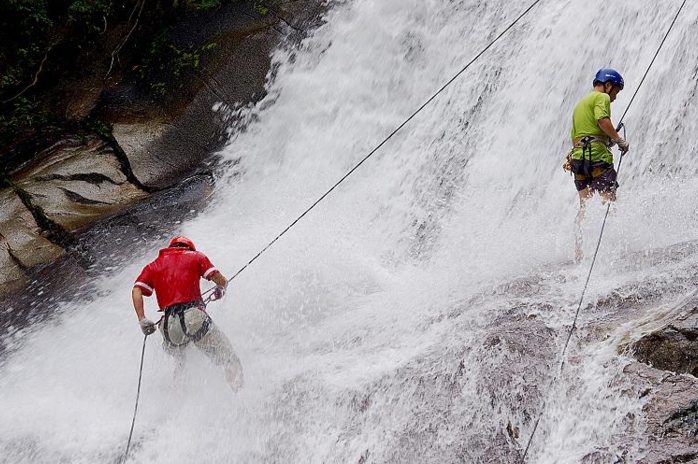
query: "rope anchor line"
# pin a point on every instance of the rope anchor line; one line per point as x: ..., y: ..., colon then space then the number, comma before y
x: 573, y: 327
x: 135, y: 411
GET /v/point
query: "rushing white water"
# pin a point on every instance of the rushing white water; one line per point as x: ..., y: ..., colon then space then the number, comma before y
x: 421, y: 308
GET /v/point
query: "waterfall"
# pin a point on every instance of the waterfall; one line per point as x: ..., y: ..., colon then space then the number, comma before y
x: 417, y: 314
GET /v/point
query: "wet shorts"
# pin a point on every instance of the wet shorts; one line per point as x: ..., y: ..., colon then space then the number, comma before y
x: 599, y: 176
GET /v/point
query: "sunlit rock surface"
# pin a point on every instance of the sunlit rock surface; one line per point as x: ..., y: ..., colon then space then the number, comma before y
x: 22, y: 244
x: 77, y: 183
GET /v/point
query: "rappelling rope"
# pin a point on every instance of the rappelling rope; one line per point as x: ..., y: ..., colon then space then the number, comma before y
x: 404, y: 123
x: 138, y: 395
x: 603, y: 226
x: 138, y: 391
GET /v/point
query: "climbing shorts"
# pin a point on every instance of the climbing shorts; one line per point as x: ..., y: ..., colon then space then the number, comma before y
x: 599, y: 176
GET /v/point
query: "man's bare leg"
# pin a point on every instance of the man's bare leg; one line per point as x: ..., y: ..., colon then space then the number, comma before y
x: 610, y: 197
x: 578, y: 241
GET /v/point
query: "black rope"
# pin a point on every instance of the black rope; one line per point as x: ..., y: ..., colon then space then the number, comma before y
x: 603, y: 226
x: 135, y: 411
x: 404, y: 123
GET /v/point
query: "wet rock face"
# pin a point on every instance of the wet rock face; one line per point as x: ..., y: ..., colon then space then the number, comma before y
x: 56, y: 194
x: 665, y: 375
x: 683, y: 420
x: 671, y: 413
x: 163, y: 145
x: 22, y: 244
x: 76, y: 183
x: 146, y: 225
x: 69, y: 186
x: 673, y: 347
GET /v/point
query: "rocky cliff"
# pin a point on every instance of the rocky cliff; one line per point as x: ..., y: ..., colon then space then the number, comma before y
x: 115, y: 164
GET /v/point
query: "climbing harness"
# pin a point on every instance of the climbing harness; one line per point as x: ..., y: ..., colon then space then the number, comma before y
x: 585, y: 144
x: 598, y: 244
x: 385, y: 140
x: 177, y: 311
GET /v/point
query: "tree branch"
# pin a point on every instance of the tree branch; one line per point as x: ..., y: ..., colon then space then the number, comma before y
x: 36, y: 76
x: 116, y: 51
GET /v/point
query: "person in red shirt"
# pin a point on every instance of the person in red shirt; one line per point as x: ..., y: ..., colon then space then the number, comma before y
x: 174, y: 277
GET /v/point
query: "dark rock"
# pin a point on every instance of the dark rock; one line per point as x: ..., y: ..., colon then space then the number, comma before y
x: 683, y: 420
x: 673, y: 347
x: 165, y: 144
x: 145, y: 225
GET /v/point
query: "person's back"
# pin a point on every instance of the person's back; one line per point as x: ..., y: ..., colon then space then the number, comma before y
x: 594, y: 107
x: 175, y: 273
x: 174, y: 277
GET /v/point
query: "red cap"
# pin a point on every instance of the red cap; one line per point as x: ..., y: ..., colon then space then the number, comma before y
x: 183, y: 241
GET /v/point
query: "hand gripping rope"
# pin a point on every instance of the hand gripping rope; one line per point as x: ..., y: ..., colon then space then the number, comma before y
x: 598, y: 244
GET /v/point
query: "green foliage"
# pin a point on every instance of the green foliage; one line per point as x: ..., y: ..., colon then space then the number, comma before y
x: 22, y: 115
x: 24, y: 28
x: 189, y: 58
x: 89, y: 15
x: 31, y: 33
x: 103, y: 129
x: 207, y: 4
x: 159, y: 89
x: 46, y: 38
x: 12, y: 76
x: 30, y: 28
x: 165, y: 65
x: 261, y: 7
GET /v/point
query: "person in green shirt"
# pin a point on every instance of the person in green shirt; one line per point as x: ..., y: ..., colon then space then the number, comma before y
x: 593, y: 133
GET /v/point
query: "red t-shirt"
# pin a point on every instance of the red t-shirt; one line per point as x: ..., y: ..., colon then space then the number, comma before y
x: 174, y: 276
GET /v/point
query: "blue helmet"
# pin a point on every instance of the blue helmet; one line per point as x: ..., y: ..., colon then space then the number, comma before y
x: 609, y: 75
